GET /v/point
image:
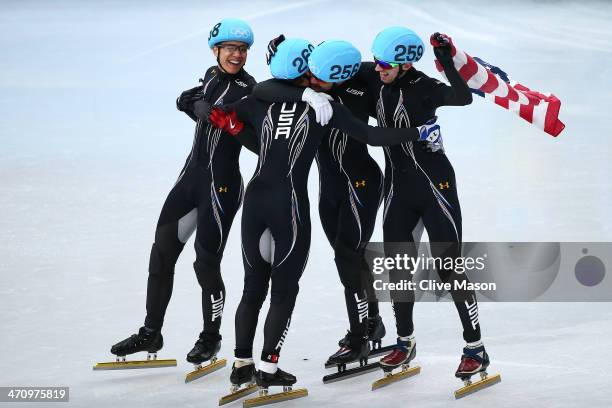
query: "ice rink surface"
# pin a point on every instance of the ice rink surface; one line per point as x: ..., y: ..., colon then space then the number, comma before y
x: 91, y: 143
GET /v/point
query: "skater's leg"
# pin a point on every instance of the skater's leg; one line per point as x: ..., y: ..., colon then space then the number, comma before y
x: 176, y: 224
x: 257, y: 255
x: 443, y: 223
x: 219, y: 203
x: 398, y: 228
x: 289, y: 263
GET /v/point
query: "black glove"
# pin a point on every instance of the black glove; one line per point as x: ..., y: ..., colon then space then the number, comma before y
x: 185, y: 101
x: 442, y: 46
x: 273, y: 47
x: 201, y: 109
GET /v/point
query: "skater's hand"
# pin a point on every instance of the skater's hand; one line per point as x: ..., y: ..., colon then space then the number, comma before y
x: 273, y: 47
x: 185, y: 101
x: 226, y: 121
x: 442, y: 46
x: 319, y: 102
x: 201, y: 109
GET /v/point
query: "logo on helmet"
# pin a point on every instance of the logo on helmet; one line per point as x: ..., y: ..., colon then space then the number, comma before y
x: 239, y: 32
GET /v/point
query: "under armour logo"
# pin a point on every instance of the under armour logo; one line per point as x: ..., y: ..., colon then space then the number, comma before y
x: 360, y: 183
x: 442, y: 186
x: 223, y: 189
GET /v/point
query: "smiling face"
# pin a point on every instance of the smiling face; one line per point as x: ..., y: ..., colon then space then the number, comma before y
x: 232, y: 55
x: 389, y: 75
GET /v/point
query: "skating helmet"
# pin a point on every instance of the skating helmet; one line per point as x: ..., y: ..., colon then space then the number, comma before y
x: 230, y: 29
x: 334, y: 61
x: 291, y: 59
x: 398, y: 45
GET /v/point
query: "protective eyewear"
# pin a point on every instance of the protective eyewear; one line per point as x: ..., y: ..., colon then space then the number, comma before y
x: 231, y: 48
x: 385, y: 65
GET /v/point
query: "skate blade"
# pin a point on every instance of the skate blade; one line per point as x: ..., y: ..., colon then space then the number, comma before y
x: 373, y: 353
x: 477, y: 386
x: 351, y: 372
x: 226, y: 399
x: 409, y: 372
x: 202, y: 371
x: 125, y: 365
x: 272, y: 398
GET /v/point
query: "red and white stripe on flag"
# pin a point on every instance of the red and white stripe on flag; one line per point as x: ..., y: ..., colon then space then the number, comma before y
x: 542, y: 110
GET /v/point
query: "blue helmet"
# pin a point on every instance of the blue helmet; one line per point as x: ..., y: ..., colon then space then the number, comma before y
x: 334, y: 61
x: 230, y: 29
x: 291, y: 59
x: 398, y: 45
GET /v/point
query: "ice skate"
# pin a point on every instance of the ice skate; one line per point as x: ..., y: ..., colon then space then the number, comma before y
x: 356, y: 349
x: 401, y: 356
x: 205, y: 349
x: 474, y: 360
x: 148, y: 340
x: 243, y: 383
x: 376, y: 331
x: 279, y: 378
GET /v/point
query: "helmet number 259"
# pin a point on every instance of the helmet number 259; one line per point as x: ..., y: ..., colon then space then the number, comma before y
x: 408, y: 54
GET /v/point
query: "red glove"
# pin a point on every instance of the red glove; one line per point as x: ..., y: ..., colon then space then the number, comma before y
x: 443, y: 46
x: 226, y: 121
x: 439, y: 39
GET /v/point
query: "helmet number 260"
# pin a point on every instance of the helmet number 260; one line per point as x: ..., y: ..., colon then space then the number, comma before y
x: 301, y: 63
x: 343, y: 72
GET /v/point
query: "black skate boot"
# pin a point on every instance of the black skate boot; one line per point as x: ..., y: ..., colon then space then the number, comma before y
x: 355, y: 348
x: 242, y: 375
x: 239, y: 376
x: 148, y: 340
x: 206, y: 348
x: 376, y: 331
x: 279, y: 378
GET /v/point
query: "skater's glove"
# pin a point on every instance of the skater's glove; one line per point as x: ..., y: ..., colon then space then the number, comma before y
x: 201, y: 109
x: 442, y: 46
x: 226, y: 121
x: 319, y: 102
x: 185, y: 101
x: 273, y: 47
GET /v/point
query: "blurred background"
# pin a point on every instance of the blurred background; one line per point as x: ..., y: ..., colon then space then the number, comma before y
x: 91, y: 142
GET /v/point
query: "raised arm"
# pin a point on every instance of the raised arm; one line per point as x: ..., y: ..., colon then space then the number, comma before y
x: 458, y: 93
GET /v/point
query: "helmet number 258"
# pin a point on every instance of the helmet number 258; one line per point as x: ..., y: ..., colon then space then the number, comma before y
x: 343, y: 72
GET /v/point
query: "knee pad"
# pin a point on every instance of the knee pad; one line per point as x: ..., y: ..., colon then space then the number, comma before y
x: 207, y: 267
x: 255, y: 298
x: 158, y: 264
x: 283, y: 291
x: 350, y: 264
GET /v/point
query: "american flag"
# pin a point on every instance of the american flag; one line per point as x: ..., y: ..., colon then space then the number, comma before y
x: 491, y: 82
